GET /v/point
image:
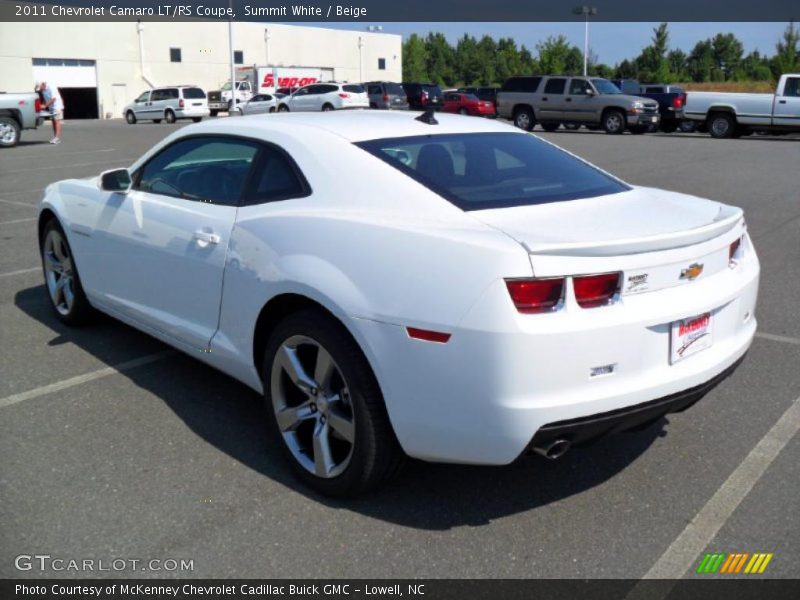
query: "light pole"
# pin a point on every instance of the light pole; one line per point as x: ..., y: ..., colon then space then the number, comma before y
x: 267, y: 37
x: 586, y: 11
x: 360, y: 58
x: 233, y: 68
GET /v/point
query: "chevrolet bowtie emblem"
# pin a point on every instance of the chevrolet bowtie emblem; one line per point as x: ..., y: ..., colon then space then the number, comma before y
x: 692, y: 272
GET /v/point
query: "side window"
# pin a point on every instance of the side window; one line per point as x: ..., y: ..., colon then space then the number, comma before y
x: 142, y: 98
x: 258, y: 98
x: 277, y: 178
x: 171, y: 94
x: 555, y: 86
x: 374, y: 89
x: 653, y: 90
x: 157, y: 95
x: 302, y: 92
x: 792, y: 87
x: 205, y: 168
x: 327, y: 89
x: 577, y: 87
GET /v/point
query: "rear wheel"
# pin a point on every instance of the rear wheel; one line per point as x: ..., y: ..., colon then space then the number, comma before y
x: 9, y: 132
x: 61, y: 277
x: 524, y: 119
x: 668, y: 126
x: 197, y: 119
x: 130, y: 117
x: 214, y: 113
x: 283, y: 108
x: 614, y: 122
x: 721, y: 125
x: 687, y: 126
x: 324, y: 403
x: 170, y: 116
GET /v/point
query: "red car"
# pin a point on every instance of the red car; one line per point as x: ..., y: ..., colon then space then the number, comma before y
x: 467, y: 104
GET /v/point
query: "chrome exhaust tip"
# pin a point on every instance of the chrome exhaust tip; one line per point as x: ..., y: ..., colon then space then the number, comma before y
x: 553, y: 450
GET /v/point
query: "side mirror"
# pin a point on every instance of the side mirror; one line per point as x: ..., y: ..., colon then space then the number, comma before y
x: 118, y: 180
x: 589, y: 91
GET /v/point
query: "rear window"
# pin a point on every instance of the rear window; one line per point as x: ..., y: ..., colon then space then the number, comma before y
x: 193, y: 93
x: 353, y: 88
x: 395, y: 88
x: 433, y: 90
x: 478, y: 171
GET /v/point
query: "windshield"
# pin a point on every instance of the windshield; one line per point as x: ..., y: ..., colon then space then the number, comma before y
x: 604, y: 86
x: 477, y: 171
x: 227, y: 86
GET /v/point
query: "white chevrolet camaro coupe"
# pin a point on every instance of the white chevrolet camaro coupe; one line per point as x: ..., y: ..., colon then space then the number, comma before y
x: 442, y: 287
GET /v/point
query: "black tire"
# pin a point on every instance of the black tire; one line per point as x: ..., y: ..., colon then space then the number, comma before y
x: 80, y: 312
x: 169, y: 116
x: 614, y: 122
x: 463, y: 111
x: 156, y: 121
x: 668, y: 126
x: 376, y: 455
x: 283, y: 108
x: 9, y: 132
x: 524, y: 118
x: 130, y: 117
x: 721, y: 125
x: 214, y: 113
x: 271, y: 109
x: 687, y: 126
x: 550, y: 127
x: 327, y: 107
x: 197, y: 119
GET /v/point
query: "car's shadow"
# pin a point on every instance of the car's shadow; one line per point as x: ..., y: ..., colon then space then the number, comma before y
x: 229, y: 416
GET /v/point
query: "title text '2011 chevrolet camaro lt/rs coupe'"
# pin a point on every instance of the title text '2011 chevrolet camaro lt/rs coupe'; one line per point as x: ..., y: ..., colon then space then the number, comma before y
x: 442, y: 287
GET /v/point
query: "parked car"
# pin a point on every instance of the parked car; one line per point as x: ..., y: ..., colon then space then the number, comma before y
x: 422, y: 96
x: 590, y: 101
x: 259, y: 104
x: 286, y: 91
x: 467, y: 104
x: 168, y: 104
x: 671, y: 100
x: 488, y: 94
x: 731, y: 114
x: 325, y: 97
x: 18, y: 112
x: 352, y: 311
x: 386, y: 95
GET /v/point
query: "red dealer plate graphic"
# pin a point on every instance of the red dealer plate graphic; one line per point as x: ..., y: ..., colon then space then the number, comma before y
x: 690, y: 336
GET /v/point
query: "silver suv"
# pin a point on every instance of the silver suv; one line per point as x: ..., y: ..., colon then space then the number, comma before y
x: 574, y: 101
x: 168, y: 104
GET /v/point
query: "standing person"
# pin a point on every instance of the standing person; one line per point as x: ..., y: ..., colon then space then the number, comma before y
x: 55, y: 104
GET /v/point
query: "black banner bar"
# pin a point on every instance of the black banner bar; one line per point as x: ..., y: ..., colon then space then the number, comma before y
x: 278, y: 11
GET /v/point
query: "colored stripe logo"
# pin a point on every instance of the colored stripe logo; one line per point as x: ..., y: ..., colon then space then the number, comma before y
x: 734, y: 563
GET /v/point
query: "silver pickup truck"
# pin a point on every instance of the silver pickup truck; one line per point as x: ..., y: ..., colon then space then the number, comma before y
x: 17, y: 112
x: 574, y: 101
x: 731, y: 115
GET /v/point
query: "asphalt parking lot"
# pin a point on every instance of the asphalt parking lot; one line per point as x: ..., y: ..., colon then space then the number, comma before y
x: 114, y: 447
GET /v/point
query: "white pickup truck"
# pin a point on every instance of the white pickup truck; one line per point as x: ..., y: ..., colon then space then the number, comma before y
x: 731, y: 115
x: 18, y: 112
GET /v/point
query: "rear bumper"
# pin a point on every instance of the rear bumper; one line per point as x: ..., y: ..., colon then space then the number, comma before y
x: 585, y: 430
x: 192, y: 112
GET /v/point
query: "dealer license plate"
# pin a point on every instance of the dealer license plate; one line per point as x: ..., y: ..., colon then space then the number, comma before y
x: 690, y: 336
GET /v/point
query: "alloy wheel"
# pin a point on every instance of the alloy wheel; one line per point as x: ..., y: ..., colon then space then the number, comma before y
x: 523, y: 121
x: 613, y: 122
x: 720, y: 127
x: 8, y: 134
x: 59, y: 273
x: 312, y: 405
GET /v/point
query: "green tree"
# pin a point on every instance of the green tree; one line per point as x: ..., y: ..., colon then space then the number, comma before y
x: 558, y: 57
x: 701, y: 61
x: 677, y: 63
x: 651, y: 64
x: 787, y: 52
x: 487, y: 54
x: 468, y: 66
x: 440, y: 59
x: 755, y: 67
x: 414, y: 59
x: 727, y: 51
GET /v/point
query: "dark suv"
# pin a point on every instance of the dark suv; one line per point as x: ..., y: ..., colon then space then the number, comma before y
x: 423, y: 95
x: 386, y: 95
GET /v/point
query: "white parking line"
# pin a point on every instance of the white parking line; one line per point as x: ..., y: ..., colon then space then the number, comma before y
x: 20, y: 271
x: 18, y: 221
x: 73, y: 381
x: 7, y: 193
x: 30, y: 155
x: 121, y: 161
x: 683, y: 553
x: 779, y: 338
x: 28, y: 204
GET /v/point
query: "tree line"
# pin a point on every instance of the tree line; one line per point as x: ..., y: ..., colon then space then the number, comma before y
x: 485, y: 61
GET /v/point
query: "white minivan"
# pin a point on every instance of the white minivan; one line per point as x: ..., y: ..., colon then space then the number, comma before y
x: 168, y: 104
x: 325, y: 97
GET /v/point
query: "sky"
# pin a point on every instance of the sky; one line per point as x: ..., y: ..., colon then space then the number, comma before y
x: 612, y: 42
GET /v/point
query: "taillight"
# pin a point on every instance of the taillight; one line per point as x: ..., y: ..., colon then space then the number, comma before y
x: 677, y: 101
x: 386, y: 97
x: 342, y: 95
x: 181, y: 103
x: 733, y: 251
x: 37, y: 104
x: 536, y: 295
x: 596, y: 290
x: 427, y: 335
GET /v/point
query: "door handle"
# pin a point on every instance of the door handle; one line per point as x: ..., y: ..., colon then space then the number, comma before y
x: 205, y: 238
x: 544, y: 99
x: 569, y: 99
x: 781, y: 101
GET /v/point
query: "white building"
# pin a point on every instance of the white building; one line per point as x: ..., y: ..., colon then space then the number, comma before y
x: 101, y: 66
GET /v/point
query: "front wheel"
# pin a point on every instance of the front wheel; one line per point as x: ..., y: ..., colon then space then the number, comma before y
x: 61, y: 277
x: 170, y: 116
x: 197, y: 119
x: 614, y: 122
x: 283, y: 108
x: 325, y: 405
x: 130, y: 117
x: 9, y: 132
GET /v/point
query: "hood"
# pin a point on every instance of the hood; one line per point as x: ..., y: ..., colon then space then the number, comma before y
x: 627, y: 98
x: 639, y: 220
